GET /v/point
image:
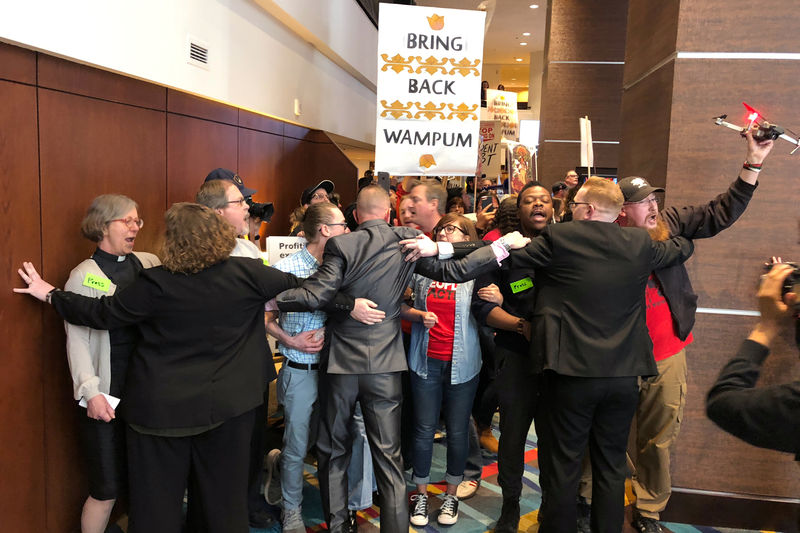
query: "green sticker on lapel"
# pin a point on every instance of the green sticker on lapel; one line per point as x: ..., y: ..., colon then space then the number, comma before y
x: 522, y: 285
x: 97, y: 282
x: 264, y: 260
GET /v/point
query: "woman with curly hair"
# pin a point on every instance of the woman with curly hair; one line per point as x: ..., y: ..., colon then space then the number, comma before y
x: 195, y: 376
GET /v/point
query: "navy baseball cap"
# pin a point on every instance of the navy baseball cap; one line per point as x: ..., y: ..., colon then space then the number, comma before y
x: 229, y: 175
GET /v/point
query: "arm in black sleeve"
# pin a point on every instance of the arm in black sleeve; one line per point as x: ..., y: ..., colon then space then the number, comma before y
x: 765, y: 417
x: 479, y: 307
x: 319, y: 289
x: 480, y: 261
x: 674, y: 251
x: 129, y: 306
x: 702, y: 221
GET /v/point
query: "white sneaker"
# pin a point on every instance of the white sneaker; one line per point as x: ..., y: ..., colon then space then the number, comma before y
x: 467, y: 488
x: 293, y: 521
x: 419, y: 511
x: 448, y: 514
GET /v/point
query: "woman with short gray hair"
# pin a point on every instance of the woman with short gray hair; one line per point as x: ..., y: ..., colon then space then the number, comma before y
x: 98, y: 359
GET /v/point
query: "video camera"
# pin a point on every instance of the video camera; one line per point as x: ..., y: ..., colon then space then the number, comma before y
x: 262, y: 211
x: 791, y: 284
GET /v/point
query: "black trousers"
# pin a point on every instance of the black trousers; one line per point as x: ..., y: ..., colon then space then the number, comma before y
x: 519, y: 395
x: 581, y: 411
x: 380, y: 396
x: 159, y: 469
x: 487, y: 397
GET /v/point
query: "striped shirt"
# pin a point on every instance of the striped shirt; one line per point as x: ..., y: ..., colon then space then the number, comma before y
x: 302, y: 264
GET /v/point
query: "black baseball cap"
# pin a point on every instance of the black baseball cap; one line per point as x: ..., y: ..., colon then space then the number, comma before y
x: 636, y: 189
x: 305, y: 198
x: 559, y: 186
x: 229, y: 175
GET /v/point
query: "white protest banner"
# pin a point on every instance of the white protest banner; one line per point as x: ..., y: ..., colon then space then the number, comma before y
x: 280, y: 247
x: 502, y: 106
x: 490, y: 149
x: 429, y: 89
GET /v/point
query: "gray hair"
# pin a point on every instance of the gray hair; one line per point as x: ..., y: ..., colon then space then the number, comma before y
x: 104, y: 209
x: 214, y: 194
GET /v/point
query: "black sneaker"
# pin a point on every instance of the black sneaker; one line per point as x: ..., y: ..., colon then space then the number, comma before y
x: 584, y: 516
x: 419, y: 511
x: 352, y: 523
x: 509, y: 517
x: 448, y: 514
x: 643, y: 524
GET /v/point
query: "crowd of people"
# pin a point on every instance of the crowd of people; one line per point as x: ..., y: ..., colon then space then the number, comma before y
x: 399, y: 312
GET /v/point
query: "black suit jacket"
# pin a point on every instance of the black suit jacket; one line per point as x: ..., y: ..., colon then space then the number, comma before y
x: 589, y: 316
x: 202, y: 357
x: 368, y: 263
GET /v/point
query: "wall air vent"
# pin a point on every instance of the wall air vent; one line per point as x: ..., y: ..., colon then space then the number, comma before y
x: 198, y: 52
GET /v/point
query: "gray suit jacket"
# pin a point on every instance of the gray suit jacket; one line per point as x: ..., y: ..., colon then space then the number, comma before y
x: 368, y: 263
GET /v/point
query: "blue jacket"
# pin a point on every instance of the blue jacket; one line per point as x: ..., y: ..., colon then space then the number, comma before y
x: 466, y: 346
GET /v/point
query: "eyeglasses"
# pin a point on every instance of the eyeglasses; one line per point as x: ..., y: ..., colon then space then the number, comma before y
x: 572, y: 205
x: 320, y: 196
x: 130, y: 222
x: 343, y: 224
x: 646, y: 201
x: 240, y: 201
x: 450, y: 229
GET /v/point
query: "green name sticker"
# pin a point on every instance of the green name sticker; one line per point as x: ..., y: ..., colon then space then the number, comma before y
x: 522, y: 285
x: 264, y: 260
x: 97, y: 282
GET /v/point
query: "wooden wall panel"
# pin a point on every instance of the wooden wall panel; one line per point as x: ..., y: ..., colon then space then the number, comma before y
x: 194, y: 106
x: 708, y: 458
x: 704, y: 159
x: 21, y: 328
x: 194, y: 148
x: 63, y: 75
x: 585, y: 30
x: 332, y: 164
x: 17, y: 64
x: 88, y: 147
x: 651, y: 36
x: 254, y: 121
x: 259, y: 162
x: 570, y: 96
x: 645, y: 126
x: 721, y: 26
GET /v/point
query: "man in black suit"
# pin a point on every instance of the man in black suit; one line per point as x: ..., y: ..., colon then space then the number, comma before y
x: 590, y: 338
x: 364, y: 362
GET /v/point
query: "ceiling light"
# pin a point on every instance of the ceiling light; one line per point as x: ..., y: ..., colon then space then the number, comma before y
x: 519, y: 59
x: 513, y: 79
x: 523, y: 44
x: 534, y: 6
x: 526, y: 34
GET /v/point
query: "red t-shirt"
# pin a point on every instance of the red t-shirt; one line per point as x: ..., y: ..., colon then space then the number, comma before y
x: 442, y: 301
x: 659, y: 322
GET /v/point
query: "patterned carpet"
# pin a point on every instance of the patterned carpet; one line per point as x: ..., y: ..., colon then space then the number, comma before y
x: 477, y: 514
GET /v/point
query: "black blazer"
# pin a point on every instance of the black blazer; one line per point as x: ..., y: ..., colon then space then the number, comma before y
x: 203, y: 355
x: 589, y: 315
x: 368, y: 263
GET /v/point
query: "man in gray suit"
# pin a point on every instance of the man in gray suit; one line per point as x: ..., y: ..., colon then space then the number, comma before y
x: 364, y: 362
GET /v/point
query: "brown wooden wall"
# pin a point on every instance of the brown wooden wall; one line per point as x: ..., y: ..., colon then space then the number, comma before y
x: 69, y: 132
x: 584, y: 49
x: 668, y: 136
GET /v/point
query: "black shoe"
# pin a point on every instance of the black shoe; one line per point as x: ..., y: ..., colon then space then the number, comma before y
x: 353, y: 522
x: 509, y: 517
x: 262, y: 520
x: 643, y: 524
x: 584, y: 516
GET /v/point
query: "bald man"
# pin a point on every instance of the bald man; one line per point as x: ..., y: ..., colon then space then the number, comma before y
x: 365, y: 362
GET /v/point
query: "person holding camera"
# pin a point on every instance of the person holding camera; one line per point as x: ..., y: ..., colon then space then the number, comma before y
x: 766, y: 416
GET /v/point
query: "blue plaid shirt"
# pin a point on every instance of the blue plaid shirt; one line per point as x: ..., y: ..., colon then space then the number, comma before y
x: 302, y: 264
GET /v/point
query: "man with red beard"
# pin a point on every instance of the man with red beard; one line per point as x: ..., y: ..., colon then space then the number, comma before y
x: 518, y: 379
x: 671, y: 305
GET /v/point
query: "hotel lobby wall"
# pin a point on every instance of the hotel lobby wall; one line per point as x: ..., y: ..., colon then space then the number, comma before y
x: 68, y: 133
x: 673, y: 86
x: 584, y: 51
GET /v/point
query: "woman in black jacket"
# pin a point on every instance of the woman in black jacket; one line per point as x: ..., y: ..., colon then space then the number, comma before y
x: 195, y: 376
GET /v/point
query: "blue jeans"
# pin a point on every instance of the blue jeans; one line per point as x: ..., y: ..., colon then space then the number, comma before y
x: 297, y: 391
x: 428, y: 395
x: 360, y: 481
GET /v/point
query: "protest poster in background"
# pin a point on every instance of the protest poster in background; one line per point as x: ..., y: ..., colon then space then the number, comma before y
x: 502, y: 106
x: 490, y: 149
x: 429, y: 90
x: 520, y: 165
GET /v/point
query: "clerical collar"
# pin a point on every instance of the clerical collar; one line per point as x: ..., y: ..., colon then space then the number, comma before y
x: 110, y: 257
